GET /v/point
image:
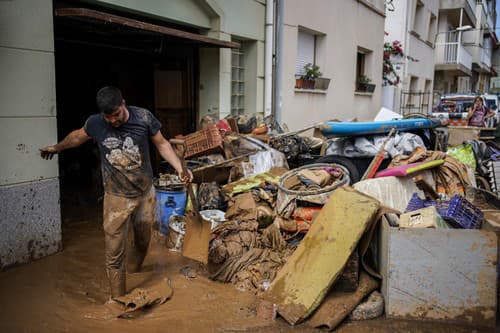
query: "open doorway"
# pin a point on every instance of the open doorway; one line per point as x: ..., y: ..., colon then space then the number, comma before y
x: 153, y: 71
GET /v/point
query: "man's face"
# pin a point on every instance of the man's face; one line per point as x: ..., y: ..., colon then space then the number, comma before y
x: 118, y: 117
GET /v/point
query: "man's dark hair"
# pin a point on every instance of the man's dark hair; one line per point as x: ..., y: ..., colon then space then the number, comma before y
x: 108, y: 99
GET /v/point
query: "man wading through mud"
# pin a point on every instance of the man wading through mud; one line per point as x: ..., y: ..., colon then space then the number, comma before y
x: 122, y: 134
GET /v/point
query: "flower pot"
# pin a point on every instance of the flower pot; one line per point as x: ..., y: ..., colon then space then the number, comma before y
x: 366, y: 87
x: 308, y: 84
x: 302, y: 83
x: 321, y: 83
x: 299, y: 83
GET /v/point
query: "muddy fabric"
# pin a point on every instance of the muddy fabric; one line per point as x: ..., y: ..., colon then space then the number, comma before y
x: 338, y: 305
x: 253, y: 205
x: 257, y: 264
x: 316, y: 177
x: 119, y: 213
x: 140, y: 298
x: 451, y: 177
x: 125, y: 162
x: 233, y: 240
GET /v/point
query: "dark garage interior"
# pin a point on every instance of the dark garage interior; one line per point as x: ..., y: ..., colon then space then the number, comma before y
x: 154, y: 71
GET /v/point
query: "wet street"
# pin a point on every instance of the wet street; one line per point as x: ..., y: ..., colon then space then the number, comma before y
x: 66, y: 292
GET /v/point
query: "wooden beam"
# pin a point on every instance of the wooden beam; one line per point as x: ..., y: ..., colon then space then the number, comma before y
x: 109, y: 18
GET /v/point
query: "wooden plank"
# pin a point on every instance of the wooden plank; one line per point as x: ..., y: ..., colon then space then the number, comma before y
x: 109, y: 18
x: 304, y: 280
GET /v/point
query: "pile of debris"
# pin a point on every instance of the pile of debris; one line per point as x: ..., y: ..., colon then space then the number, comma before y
x: 319, y: 251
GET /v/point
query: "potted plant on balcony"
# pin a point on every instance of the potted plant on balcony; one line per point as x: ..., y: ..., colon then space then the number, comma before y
x: 364, y: 84
x: 311, y: 79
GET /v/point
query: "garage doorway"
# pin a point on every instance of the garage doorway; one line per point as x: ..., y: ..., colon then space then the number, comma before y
x: 153, y: 71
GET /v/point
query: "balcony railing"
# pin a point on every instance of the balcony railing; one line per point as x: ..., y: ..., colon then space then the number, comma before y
x: 489, y: 20
x: 486, y: 57
x: 487, y: 11
x: 453, y: 53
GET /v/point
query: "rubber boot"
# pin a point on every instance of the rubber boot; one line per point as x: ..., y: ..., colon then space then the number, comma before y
x: 135, y: 258
x: 116, y: 279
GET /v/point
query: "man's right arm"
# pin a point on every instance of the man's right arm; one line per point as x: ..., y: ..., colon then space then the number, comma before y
x: 72, y: 140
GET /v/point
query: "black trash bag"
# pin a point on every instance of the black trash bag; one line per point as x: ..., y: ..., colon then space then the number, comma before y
x: 210, y: 197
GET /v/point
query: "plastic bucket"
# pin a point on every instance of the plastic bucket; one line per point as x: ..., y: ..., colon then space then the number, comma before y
x: 169, y: 203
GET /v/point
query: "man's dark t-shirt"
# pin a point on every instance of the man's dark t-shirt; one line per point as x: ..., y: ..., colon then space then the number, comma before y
x: 126, y: 167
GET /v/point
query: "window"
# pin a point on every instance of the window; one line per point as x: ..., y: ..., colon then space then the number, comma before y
x: 237, y: 82
x: 432, y: 28
x: 306, y: 49
x: 363, y: 69
x: 360, y: 65
x: 418, y: 18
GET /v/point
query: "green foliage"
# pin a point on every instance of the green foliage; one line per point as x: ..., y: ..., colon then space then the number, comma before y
x: 364, y: 79
x: 311, y: 72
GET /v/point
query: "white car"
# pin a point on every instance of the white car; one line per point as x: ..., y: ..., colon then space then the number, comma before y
x: 454, y: 108
x: 491, y: 102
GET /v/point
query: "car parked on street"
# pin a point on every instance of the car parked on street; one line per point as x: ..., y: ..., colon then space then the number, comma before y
x: 454, y: 108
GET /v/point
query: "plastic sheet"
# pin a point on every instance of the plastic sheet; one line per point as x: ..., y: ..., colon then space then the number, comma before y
x: 393, y: 192
x: 464, y: 154
x: 399, y: 144
x: 263, y: 162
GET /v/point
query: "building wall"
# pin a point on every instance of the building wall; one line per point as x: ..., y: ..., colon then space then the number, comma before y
x: 338, y: 22
x: 248, y: 29
x: 220, y: 19
x: 30, y: 220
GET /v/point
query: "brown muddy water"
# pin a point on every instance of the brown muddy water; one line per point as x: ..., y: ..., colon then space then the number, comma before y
x: 66, y: 292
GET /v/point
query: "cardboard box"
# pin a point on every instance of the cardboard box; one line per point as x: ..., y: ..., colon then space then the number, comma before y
x: 426, y: 217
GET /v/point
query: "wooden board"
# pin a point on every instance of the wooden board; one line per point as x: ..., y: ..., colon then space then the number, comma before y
x: 304, y: 280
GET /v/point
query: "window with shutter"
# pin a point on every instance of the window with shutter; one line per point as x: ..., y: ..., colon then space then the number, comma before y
x: 306, y: 44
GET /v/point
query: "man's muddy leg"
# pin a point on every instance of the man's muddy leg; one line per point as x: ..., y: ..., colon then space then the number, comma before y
x: 142, y: 223
x: 117, y: 211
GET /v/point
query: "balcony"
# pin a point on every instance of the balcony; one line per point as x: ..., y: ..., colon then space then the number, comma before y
x: 489, y: 20
x: 486, y: 58
x: 452, y: 56
x: 484, y: 12
x: 481, y: 58
x: 453, y: 9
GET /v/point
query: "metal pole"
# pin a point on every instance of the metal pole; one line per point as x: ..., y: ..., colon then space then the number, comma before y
x: 279, y: 63
x: 268, y: 78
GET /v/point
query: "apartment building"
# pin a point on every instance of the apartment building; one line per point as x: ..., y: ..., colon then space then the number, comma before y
x: 465, y: 41
x: 345, y: 39
x: 480, y: 41
x: 414, y: 23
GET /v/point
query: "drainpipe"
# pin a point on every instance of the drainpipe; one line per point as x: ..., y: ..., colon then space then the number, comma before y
x: 279, y: 63
x: 459, y: 46
x: 268, y: 76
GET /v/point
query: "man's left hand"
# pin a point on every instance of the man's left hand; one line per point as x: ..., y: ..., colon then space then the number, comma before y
x: 186, y: 179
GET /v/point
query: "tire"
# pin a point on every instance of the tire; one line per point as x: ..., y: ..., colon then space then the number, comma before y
x: 344, y: 161
x: 482, y: 183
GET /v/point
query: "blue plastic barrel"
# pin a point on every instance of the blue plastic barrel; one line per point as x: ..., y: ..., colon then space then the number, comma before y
x: 169, y: 203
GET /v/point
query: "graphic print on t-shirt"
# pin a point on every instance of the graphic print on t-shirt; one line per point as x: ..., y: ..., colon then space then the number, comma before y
x: 123, y: 154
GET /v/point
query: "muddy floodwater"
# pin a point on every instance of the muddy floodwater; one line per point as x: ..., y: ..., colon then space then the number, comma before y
x: 66, y: 292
